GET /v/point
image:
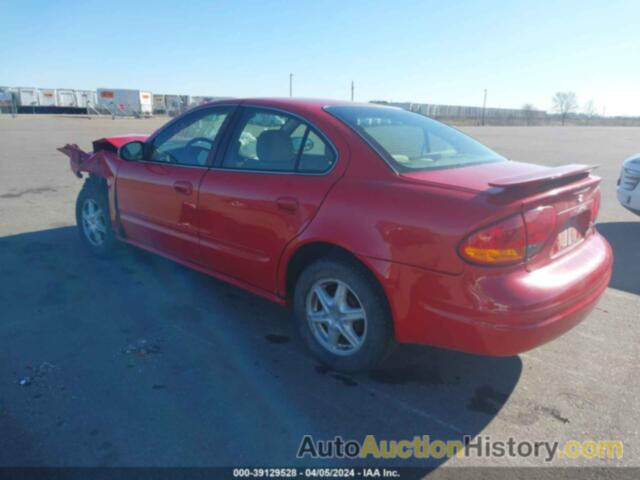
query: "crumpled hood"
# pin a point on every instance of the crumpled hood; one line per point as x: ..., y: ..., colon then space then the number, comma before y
x: 119, y: 140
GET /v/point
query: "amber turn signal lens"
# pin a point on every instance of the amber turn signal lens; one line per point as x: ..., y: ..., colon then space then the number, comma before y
x: 503, y: 243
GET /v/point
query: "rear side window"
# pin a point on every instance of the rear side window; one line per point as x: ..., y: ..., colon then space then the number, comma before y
x: 412, y: 142
x: 269, y: 141
x: 315, y: 156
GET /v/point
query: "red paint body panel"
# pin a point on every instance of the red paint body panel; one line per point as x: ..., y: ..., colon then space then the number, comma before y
x: 153, y: 212
x: 247, y: 220
x: 245, y: 227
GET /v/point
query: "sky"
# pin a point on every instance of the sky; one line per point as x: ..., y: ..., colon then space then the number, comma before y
x: 444, y: 52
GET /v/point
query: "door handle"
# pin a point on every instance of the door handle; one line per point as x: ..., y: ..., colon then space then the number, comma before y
x: 183, y: 187
x: 288, y: 204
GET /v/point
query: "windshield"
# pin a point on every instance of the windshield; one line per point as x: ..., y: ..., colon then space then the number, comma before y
x: 412, y: 142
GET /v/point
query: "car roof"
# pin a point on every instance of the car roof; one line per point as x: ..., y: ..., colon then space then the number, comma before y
x: 290, y: 102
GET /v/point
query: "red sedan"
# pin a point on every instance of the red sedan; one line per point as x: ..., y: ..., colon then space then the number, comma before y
x: 376, y: 224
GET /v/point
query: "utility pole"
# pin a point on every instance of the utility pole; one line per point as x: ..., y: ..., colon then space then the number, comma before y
x: 352, y: 90
x: 291, y: 84
x: 484, y: 105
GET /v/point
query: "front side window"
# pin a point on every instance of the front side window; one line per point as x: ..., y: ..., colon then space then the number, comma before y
x: 413, y: 142
x: 190, y: 140
x: 272, y: 141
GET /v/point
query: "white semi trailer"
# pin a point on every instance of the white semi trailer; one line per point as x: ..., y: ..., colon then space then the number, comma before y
x: 86, y: 98
x: 51, y: 100
x: 27, y: 97
x: 66, y: 98
x: 123, y: 102
x: 159, y: 105
x: 7, y: 102
x: 47, y: 97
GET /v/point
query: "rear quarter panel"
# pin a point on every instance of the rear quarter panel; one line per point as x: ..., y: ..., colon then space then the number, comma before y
x: 393, y: 220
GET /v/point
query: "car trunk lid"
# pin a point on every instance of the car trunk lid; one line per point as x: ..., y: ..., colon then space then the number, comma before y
x: 512, y: 187
x: 504, y: 175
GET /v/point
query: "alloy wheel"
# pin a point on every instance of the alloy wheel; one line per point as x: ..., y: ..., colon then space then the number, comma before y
x: 94, y: 224
x: 336, y: 317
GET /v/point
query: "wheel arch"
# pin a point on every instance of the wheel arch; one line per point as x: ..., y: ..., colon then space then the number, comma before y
x: 106, y: 186
x: 303, y: 255
x: 97, y: 181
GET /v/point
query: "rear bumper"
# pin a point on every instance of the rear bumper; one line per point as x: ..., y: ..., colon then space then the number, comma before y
x: 493, y: 312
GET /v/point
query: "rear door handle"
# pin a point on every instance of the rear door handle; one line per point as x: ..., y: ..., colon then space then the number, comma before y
x: 288, y: 204
x: 183, y: 187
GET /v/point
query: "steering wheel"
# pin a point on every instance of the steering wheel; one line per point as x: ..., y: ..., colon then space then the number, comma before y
x: 195, y: 140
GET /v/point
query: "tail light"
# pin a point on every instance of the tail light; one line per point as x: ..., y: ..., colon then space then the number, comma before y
x: 503, y: 243
x: 512, y: 240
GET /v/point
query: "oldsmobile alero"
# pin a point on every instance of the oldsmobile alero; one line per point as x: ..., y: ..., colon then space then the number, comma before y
x: 376, y: 225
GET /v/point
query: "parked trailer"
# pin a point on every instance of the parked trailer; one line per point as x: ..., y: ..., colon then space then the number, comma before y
x: 27, y: 97
x: 66, y: 98
x: 6, y: 100
x: 86, y: 98
x: 47, y: 97
x: 176, y: 104
x: 74, y: 101
x: 146, y: 103
x: 123, y: 102
x: 159, y: 104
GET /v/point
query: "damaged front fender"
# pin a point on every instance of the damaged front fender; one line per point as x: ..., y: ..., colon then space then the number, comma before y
x: 101, y: 164
x: 104, y: 161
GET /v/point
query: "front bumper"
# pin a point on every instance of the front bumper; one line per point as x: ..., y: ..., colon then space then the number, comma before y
x: 630, y: 199
x: 494, y: 312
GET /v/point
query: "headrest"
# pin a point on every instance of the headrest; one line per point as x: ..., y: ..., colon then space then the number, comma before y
x: 274, y: 146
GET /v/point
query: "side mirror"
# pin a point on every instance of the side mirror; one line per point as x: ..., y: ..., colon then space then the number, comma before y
x: 132, y: 151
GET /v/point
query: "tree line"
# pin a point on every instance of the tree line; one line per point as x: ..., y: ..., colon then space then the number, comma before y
x: 564, y: 104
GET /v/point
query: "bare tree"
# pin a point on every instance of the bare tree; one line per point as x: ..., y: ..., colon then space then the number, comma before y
x: 528, y: 111
x: 590, y: 110
x: 564, y: 103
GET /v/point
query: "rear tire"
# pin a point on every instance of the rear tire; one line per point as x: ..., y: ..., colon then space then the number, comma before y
x: 342, y: 315
x: 93, y: 219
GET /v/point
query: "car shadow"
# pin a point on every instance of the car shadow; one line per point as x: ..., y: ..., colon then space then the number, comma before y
x: 624, y: 238
x: 135, y: 360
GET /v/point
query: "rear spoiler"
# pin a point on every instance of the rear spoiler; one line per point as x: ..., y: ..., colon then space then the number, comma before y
x: 554, y: 175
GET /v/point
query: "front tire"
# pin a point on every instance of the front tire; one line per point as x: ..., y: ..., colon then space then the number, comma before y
x: 93, y: 219
x: 633, y: 210
x: 342, y: 315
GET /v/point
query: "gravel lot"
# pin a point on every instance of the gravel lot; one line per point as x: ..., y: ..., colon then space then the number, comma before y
x: 138, y: 361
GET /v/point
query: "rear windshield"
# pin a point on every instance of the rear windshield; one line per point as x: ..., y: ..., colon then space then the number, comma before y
x: 411, y: 142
